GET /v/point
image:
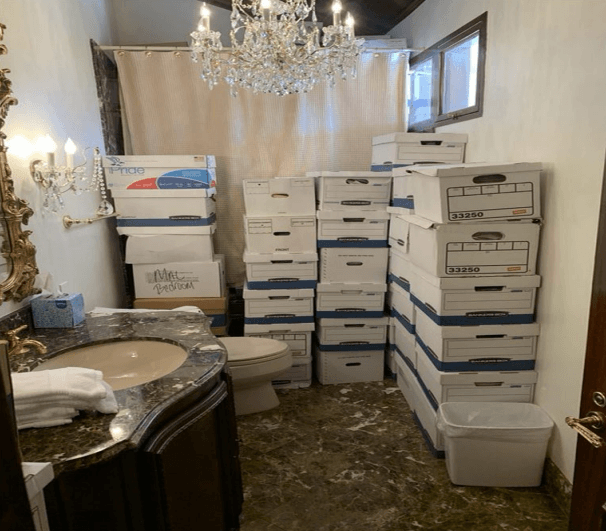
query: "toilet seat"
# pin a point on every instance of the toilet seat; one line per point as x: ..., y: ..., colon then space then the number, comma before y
x: 241, y: 351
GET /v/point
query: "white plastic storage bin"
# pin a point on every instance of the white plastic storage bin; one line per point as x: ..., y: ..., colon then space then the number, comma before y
x: 339, y: 300
x: 349, y: 366
x: 354, y: 265
x: 291, y: 196
x: 297, y: 336
x: 401, y: 307
x: 353, y: 228
x: 352, y: 334
x: 402, y: 192
x: 154, y: 204
x: 299, y: 375
x: 403, y: 149
x: 280, y: 234
x: 278, y: 306
x: 160, y: 172
x: 344, y: 190
x: 479, y: 386
x: 469, y: 192
x: 400, y: 269
x: 495, y: 444
x: 166, y: 248
x: 475, y: 300
x: 186, y: 279
x: 127, y: 229
x: 281, y: 270
x: 404, y: 342
x: 474, y: 249
x: 478, y: 348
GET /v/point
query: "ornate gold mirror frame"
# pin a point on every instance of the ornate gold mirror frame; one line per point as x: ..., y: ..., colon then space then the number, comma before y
x: 16, y: 248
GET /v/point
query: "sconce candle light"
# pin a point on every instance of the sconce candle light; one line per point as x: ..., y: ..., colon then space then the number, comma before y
x: 57, y: 180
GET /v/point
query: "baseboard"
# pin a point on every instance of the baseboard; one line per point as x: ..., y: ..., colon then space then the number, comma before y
x: 557, y: 485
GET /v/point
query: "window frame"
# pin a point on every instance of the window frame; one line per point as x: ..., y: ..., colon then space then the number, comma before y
x: 436, y: 54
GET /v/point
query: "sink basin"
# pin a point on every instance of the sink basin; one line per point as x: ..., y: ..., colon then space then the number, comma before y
x: 124, y: 363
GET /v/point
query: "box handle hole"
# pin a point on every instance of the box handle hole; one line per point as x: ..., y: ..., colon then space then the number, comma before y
x: 489, y: 179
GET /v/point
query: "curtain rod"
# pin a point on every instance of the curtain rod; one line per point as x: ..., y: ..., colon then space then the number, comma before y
x: 188, y: 49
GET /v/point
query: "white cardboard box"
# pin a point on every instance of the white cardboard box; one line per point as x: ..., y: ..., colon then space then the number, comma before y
x: 340, y: 300
x: 474, y: 249
x: 280, y: 234
x: 353, y: 265
x: 281, y: 270
x: 179, y: 279
x: 355, y: 228
x: 300, y: 371
x: 278, y: 306
x: 289, y: 196
x: 173, y: 221
x: 479, y: 386
x: 155, y: 204
x: 36, y: 476
x: 401, y: 307
x: 406, y: 378
x: 349, y: 366
x: 478, y: 348
x: 468, y: 192
x: 405, y: 342
x: 298, y: 341
x: 160, y: 172
x: 278, y: 328
x: 399, y: 233
x: 352, y: 334
x: 398, y: 149
x: 475, y: 300
x: 402, y: 193
x: 400, y: 269
x: 357, y: 190
x: 166, y: 248
x: 129, y: 230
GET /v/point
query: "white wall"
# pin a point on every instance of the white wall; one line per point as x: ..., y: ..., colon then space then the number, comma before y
x: 544, y: 101
x: 52, y: 77
x: 163, y: 21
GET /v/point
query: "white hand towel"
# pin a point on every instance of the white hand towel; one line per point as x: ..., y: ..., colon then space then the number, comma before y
x: 74, y: 383
x: 46, y: 417
x: 98, y: 311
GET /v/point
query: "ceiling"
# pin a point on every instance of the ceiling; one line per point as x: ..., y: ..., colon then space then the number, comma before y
x: 373, y: 17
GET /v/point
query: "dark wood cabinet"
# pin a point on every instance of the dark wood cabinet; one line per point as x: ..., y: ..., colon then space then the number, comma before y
x: 185, y: 476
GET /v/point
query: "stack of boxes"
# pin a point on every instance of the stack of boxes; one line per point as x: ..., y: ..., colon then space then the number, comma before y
x: 468, y: 254
x: 281, y: 268
x: 351, y: 330
x: 166, y: 209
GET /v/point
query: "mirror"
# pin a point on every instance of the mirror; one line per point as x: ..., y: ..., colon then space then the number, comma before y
x: 18, y: 253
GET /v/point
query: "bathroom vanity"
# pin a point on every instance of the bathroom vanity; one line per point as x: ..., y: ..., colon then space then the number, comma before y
x: 168, y: 460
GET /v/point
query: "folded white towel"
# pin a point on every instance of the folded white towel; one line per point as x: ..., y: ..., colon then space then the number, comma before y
x: 44, y: 423
x: 75, y: 383
x: 110, y: 311
x: 46, y: 417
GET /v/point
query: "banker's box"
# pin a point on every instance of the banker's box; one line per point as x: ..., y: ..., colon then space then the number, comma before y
x: 290, y: 196
x: 167, y: 248
x: 355, y: 228
x: 281, y: 270
x: 479, y: 191
x: 402, y: 149
x: 354, y: 265
x: 64, y: 311
x: 280, y: 234
x: 474, y: 249
x: 400, y: 269
x: 352, y: 334
x: 126, y: 228
x: 158, y: 204
x: 352, y: 190
x: 185, y: 279
x: 160, y: 172
x: 278, y: 306
x: 349, y: 366
x: 402, y: 194
x: 340, y: 300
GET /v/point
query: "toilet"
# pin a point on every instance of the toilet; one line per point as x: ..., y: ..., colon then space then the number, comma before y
x: 254, y: 362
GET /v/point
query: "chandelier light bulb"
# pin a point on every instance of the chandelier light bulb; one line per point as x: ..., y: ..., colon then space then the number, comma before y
x: 265, y: 9
x: 350, y: 20
x: 204, y: 24
x: 20, y: 146
x: 337, y: 7
x: 70, y: 149
x: 48, y: 146
x: 204, y: 11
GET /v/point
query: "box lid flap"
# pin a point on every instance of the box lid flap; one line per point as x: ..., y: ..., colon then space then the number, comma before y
x: 160, y: 161
x: 470, y: 169
x: 473, y: 332
x: 505, y: 281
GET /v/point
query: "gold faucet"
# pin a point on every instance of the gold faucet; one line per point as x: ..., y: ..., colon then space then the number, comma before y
x: 17, y: 345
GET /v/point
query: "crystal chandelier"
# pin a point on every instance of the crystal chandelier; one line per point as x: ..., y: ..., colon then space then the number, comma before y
x: 275, y: 49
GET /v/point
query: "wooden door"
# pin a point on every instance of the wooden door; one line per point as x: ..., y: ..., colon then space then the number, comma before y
x: 589, y: 489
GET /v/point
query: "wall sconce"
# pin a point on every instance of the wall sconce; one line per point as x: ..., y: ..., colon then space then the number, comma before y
x: 59, y: 179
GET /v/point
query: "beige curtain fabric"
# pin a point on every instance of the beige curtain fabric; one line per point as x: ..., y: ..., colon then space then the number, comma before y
x: 168, y: 109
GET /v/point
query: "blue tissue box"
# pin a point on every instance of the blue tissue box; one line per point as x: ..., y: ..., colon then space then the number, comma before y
x: 65, y: 311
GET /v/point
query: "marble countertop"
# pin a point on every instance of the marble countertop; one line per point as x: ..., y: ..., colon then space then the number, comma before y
x: 93, y: 437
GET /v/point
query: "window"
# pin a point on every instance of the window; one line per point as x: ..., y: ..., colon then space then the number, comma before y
x: 446, y: 81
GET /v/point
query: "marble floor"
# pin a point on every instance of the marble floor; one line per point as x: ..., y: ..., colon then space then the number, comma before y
x: 349, y: 458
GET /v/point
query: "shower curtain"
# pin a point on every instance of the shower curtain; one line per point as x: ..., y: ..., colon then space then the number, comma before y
x: 168, y: 109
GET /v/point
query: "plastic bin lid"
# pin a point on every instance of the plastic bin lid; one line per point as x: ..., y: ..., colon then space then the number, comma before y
x: 503, y: 421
